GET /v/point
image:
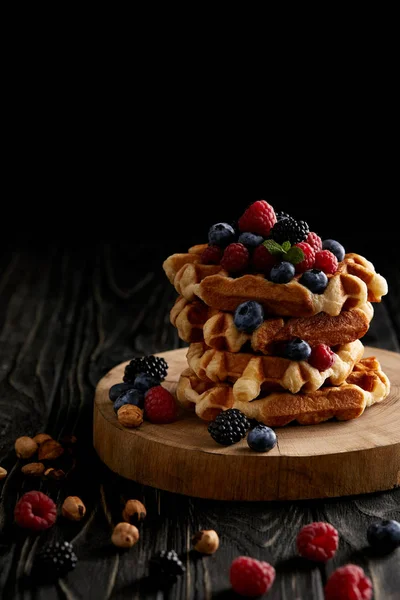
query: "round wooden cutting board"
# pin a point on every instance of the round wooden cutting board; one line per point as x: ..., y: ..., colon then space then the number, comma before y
x: 316, y: 461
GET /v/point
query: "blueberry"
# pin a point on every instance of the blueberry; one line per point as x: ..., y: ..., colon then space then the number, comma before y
x: 249, y: 316
x: 336, y: 248
x: 315, y: 280
x: 384, y: 537
x: 117, y: 389
x: 261, y: 438
x: 250, y: 240
x: 131, y: 396
x: 283, y: 272
x: 297, y: 349
x: 144, y: 382
x: 221, y: 234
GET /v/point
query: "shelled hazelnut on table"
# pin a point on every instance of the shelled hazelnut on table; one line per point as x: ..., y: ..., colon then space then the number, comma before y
x: 41, y: 437
x: 50, y: 450
x: 73, y: 508
x: 134, y: 512
x: 130, y: 415
x: 34, y: 469
x: 3, y: 473
x: 125, y: 535
x: 206, y: 541
x: 25, y: 447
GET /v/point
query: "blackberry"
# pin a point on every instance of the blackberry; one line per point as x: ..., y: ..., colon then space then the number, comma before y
x: 290, y: 230
x: 229, y: 427
x: 55, y: 560
x: 281, y: 215
x: 166, y: 567
x: 151, y: 365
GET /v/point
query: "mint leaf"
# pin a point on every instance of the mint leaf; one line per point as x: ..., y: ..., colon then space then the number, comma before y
x: 286, y: 246
x: 273, y: 247
x: 295, y: 255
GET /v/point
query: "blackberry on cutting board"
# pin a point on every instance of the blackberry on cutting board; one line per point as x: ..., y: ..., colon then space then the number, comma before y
x: 55, y: 560
x: 289, y: 229
x: 166, y: 567
x: 151, y: 365
x: 229, y: 427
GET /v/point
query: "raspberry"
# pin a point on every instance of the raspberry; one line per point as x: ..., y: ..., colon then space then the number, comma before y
x: 348, y: 583
x: 251, y: 577
x: 160, y: 406
x: 263, y: 261
x: 236, y: 258
x: 315, y: 241
x: 258, y: 218
x: 326, y: 261
x: 317, y: 541
x: 211, y: 255
x: 35, y: 511
x: 322, y: 357
x: 309, y: 257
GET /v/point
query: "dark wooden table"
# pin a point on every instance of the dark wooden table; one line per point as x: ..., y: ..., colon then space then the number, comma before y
x: 67, y: 316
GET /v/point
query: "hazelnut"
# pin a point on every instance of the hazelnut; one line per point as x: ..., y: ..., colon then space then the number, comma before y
x: 25, y: 447
x: 35, y: 469
x: 73, y: 508
x: 41, y: 437
x: 130, y: 415
x: 56, y: 474
x: 206, y: 541
x: 3, y: 473
x: 125, y: 535
x: 50, y: 450
x: 134, y: 512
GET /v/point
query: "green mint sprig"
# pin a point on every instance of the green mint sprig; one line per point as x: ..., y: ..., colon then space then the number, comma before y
x: 286, y: 251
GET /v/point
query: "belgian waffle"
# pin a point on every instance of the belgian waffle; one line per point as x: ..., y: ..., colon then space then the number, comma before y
x: 354, y: 283
x: 198, y: 322
x: 253, y: 375
x: 366, y: 385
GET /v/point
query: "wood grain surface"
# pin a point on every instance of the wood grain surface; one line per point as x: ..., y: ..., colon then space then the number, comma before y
x: 326, y: 460
x: 66, y: 318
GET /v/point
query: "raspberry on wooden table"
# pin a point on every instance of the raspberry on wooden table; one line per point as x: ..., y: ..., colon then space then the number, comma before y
x: 317, y: 541
x: 35, y: 511
x: 309, y: 257
x: 326, y: 261
x: 315, y: 241
x: 258, y: 218
x: 348, y: 583
x: 236, y: 258
x: 263, y: 260
x: 251, y: 577
x: 211, y: 255
x: 160, y: 406
x: 322, y: 357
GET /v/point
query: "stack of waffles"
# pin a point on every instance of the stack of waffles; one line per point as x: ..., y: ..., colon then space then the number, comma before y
x: 232, y: 368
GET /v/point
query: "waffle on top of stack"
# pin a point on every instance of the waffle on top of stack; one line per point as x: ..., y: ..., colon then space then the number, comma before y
x: 232, y: 368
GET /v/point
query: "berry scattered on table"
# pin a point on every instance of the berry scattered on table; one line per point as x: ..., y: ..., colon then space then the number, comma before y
x: 236, y: 258
x: 118, y: 389
x: 290, y: 230
x: 261, y: 438
x: 348, y: 583
x: 282, y: 215
x: 315, y: 280
x: 309, y: 257
x: 326, y: 262
x: 263, y: 260
x: 132, y: 396
x: 55, y: 560
x: 335, y: 247
x: 221, y: 234
x: 152, y: 365
x: 283, y: 272
x: 322, y: 357
x: 297, y: 349
x: 166, y: 567
x: 144, y: 382
x: 251, y: 577
x: 384, y: 537
x: 317, y: 541
x: 35, y: 511
x: 229, y: 427
x: 248, y: 316
x: 250, y: 240
x: 206, y: 541
x: 160, y: 406
x: 258, y: 218
x: 315, y: 241
x: 211, y: 255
